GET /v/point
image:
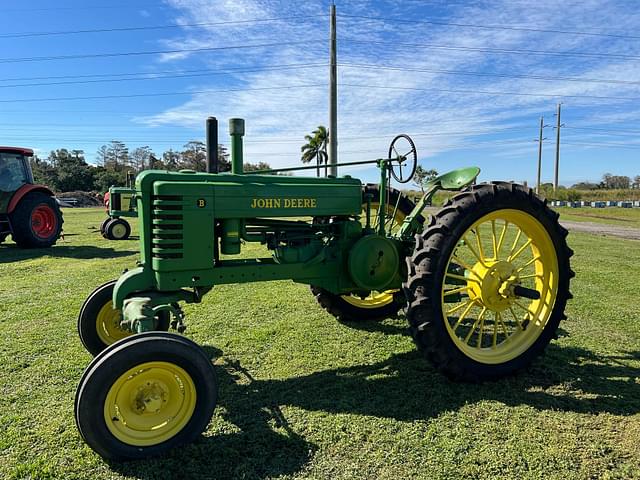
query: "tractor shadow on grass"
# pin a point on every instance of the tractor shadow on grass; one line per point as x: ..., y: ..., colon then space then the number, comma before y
x: 403, y: 387
x: 261, y: 444
x: 11, y: 252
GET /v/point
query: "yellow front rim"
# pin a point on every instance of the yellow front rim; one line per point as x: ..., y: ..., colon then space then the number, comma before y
x: 119, y: 230
x: 394, y: 222
x: 108, y: 324
x: 485, y: 319
x: 150, y: 403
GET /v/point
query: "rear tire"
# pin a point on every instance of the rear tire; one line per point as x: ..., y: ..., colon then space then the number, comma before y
x: 459, y: 269
x: 99, y: 323
x: 145, y: 395
x: 377, y: 305
x: 103, y: 226
x: 37, y: 221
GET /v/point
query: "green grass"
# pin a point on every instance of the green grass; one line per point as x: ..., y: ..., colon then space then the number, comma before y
x: 629, y: 217
x: 303, y: 396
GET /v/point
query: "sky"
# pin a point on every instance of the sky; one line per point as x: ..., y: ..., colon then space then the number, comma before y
x: 467, y: 80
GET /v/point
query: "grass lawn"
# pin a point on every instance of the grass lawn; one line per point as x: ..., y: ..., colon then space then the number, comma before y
x: 629, y: 217
x: 303, y: 396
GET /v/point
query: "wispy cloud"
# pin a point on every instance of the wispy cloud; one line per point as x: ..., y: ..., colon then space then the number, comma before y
x: 277, y: 120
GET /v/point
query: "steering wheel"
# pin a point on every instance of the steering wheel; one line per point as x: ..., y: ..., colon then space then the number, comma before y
x: 403, y: 143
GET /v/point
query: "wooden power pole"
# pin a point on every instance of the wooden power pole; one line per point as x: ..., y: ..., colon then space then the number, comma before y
x: 558, y: 125
x: 333, y: 96
x: 540, y: 140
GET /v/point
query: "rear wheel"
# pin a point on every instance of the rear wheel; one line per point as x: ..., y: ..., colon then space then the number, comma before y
x: 145, y: 395
x: 371, y: 305
x: 37, y: 221
x: 117, y: 229
x: 103, y: 226
x: 99, y: 322
x: 488, y: 282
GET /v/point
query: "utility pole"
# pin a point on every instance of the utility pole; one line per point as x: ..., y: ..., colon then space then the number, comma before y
x: 333, y: 95
x: 540, y: 140
x: 558, y: 125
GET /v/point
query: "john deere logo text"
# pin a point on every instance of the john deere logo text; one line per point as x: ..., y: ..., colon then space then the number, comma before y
x: 283, y: 203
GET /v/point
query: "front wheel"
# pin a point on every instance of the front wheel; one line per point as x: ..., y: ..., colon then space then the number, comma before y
x: 144, y: 396
x: 99, y: 322
x: 488, y: 282
x: 117, y: 229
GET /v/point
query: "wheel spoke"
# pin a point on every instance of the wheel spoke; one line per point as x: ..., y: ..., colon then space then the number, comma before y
x: 533, y: 275
x: 458, y: 307
x: 465, y: 266
x: 481, y: 331
x: 504, y: 327
x: 479, y: 243
x: 504, y: 232
x: 463, y: 316
x: 460, y: 277
x: 455, y: 290
x: 473, y: 327
x: 520, y: 250
x: 515, y: 317
x: 494, y: 240
x: 475, y: 254
x: 494, y: 340
x: 535, y: 258
x: 515, y: 242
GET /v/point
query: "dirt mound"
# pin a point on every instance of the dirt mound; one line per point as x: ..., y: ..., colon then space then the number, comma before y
x: 81, y: 199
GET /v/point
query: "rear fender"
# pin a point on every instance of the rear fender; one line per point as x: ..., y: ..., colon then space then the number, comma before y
x: 22, y: 191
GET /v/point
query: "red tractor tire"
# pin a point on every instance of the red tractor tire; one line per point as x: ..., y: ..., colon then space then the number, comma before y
x: 37, y: 221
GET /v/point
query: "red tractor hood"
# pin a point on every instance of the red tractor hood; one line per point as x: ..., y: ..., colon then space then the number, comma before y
x: 24, y: 151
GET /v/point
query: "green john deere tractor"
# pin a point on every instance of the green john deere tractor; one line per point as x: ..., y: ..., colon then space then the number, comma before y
x: 120, y: 203
x: 28, y: 212
x: 483, y: 282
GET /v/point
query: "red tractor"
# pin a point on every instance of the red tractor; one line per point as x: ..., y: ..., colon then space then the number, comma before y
x: 28, y: 212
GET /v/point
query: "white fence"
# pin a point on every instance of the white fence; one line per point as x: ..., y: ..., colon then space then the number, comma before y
x: 599, y: 204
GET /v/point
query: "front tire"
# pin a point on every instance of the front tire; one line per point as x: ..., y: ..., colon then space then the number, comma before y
x: 474, y: 276
x: 37, y: 221
x: 145, y: 395
x: 117, y: 229
x: 99, y: 322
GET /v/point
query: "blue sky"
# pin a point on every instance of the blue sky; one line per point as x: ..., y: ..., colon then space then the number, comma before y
x: 467, y: 94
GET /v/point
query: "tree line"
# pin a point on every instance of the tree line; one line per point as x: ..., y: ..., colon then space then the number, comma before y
x: 67, y: 170
x: 610, y: 182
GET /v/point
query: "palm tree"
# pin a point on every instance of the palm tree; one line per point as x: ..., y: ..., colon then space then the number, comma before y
x: 316, y: 147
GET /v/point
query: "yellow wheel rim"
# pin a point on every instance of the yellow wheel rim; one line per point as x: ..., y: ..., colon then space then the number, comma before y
x: 108, y: 324
x: 394, y: 222
x: 483, y: 316
x: 373, y: 300
x: 150, y: 403
x: 118, y: 230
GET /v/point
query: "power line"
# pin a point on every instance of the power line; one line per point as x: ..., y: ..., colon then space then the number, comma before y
x: 603, y: 144
x: 484, y: 92
x: 286, y: 87
x: 156, y: 76
x: 497, y: 50
x: 171, y: 74
x: 152, y: 52
x: 613, y: 132
x: 159, y: 94
x: 485, y: 74
x: 156, y: 27
x: 491, y: 27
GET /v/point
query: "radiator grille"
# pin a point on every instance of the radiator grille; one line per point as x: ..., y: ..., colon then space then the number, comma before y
x: 167, y: 226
